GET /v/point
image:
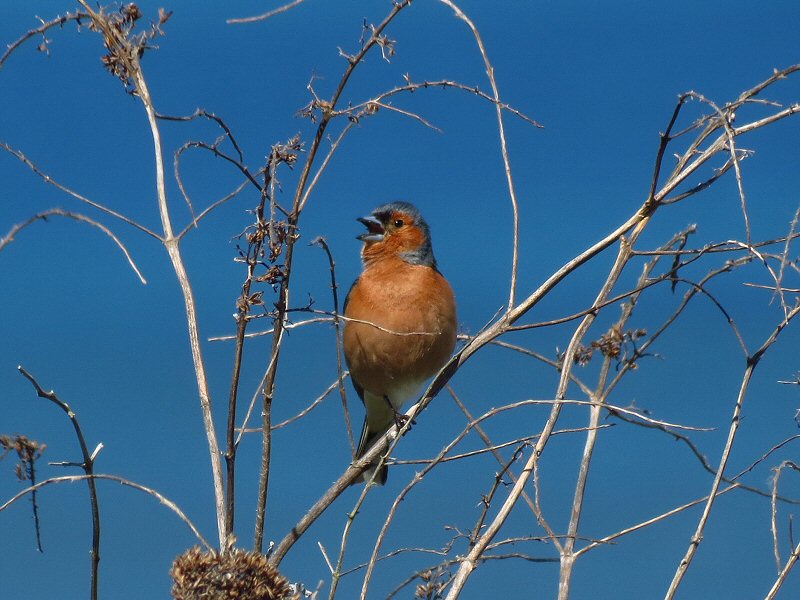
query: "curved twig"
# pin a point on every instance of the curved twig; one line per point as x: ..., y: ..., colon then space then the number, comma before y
x: 57, y: 22
x: 47, y: 179
x: 126, y: 482
x: 43, y: 216
x: 88, y: 467
x: 266, y: 15
x: 503, y: 149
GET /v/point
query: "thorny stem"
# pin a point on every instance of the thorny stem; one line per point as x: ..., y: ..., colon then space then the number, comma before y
x: 268, y: 389
x: 254, y: 251
x: 41, y: 30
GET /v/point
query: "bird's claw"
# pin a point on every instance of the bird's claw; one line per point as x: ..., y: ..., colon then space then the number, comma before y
x: 400, y: 420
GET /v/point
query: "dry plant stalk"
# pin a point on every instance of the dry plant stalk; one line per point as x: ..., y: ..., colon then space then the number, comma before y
x: 87, y: 465
x: 123, y: 60
x: 619, y: 349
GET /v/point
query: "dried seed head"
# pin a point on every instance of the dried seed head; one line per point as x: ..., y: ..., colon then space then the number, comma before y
x: 236, y: 574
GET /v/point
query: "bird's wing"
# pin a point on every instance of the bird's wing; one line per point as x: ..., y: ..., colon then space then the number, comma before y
x: 347, y: 298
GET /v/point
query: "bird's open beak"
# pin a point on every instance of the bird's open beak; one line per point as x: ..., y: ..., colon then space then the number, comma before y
x: 374, y: 227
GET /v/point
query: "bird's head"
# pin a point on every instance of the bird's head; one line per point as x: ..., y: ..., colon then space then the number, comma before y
x: 397, y: 229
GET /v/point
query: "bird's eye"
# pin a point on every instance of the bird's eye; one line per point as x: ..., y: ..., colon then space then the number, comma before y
x: 398, y: 223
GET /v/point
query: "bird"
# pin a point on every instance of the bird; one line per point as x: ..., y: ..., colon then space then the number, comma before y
x: 400, y: 321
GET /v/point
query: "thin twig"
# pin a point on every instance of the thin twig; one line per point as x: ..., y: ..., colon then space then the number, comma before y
x: 43, y: 216
x: 357, y: 110
x: 266, y: 15
x: 120, y: 47
x: 205, y: 212
x: 325, y: 162
x: 47, y: 179
x: 503, y: 149
x: 202, y: 113
x: 126, y: 482
x: 752, y: 363
x: 323, y: 243
x: 255, y: 334
x: 41, y: 30
x: 311, y: 406
x: 783, y: 571
x: 491, y: 449
x: 337, y: 572
x: 485, y: 438
x: 87, y: 465
x: 774, y: 518
x: 610, y: 538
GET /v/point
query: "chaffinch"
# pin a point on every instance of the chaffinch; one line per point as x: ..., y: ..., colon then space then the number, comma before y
x: 401, y: 325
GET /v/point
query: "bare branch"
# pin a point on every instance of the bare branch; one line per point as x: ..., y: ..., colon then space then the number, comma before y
x: 503, y: 149
x: 212, y: 207
x: 57, y: 22
x: 322, y: 242
x: 126, y: 482
x: 120, y: 47
x: 312, y: 406
x: 294, y: 325
x: 266, y: 15
x: 358, y: 110
x: 76, y: 195
x: 648, y: 522
x: 752, y: 363
x: 43, y: 216
x: 88, y: 467
x: 783, y: 571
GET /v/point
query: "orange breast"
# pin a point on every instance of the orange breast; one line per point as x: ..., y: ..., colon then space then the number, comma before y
x: 404, y: 325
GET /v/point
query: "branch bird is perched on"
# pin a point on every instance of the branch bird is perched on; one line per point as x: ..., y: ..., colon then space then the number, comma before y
x: 401, y: 320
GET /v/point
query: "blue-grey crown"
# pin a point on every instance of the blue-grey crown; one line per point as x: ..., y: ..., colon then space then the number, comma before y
x: 422, y: 255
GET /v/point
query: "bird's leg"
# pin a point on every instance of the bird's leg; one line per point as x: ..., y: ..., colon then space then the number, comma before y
x: 399, y: 418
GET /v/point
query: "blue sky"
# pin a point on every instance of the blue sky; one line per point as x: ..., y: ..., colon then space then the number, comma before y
x: 602, y: 78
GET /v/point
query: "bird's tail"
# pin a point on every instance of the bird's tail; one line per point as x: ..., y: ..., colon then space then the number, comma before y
x: 367, y: 439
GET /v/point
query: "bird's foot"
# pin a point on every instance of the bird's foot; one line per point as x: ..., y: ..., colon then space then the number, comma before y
x: 399, y: 418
